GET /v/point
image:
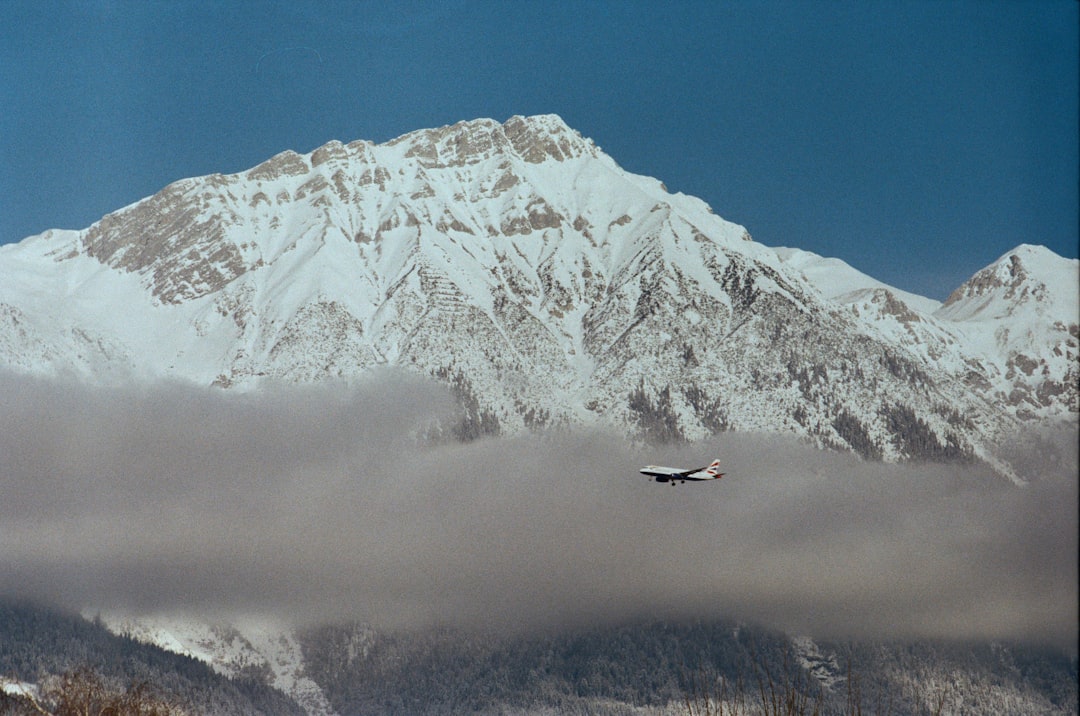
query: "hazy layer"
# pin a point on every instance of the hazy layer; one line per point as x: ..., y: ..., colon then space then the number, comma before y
x: 321, y: 504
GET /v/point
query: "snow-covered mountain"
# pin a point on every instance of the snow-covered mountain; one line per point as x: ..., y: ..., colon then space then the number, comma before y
x: 522, y: 265
x: 1021, y: 310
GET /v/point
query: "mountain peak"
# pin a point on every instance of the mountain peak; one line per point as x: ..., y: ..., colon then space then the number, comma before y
x: 1023, y: 275
x: 546, y: 136
x: 1024, y: 310
x: 534, y: 139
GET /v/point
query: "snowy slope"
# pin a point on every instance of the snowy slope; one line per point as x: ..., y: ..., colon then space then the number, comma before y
x: 841, y: 282
x: 252, y: 647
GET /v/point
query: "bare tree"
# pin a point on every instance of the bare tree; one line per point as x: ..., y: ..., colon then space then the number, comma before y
x: 84, y: 692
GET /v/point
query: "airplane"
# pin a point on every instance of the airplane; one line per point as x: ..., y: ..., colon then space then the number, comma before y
x: 674, y: 474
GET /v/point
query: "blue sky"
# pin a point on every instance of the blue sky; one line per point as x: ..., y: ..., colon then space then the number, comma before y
x: 917, y: 141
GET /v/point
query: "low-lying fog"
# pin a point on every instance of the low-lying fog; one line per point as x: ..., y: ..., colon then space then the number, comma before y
x: 319, y: 504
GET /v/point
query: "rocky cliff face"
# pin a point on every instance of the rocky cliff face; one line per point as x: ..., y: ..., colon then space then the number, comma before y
x: 547, y: 286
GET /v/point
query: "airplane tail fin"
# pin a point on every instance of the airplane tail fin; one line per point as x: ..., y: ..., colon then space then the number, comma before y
x: 714, y: 469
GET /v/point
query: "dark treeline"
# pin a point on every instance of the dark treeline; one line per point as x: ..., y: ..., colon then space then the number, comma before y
x: 660, y: 666
x: 655, y: 667
x: 37, y: 642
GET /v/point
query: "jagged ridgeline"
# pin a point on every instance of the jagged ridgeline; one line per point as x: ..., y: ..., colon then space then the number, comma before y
x: 547, y: 286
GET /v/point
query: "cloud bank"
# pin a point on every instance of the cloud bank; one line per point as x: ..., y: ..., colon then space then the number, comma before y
x: 320, y: 504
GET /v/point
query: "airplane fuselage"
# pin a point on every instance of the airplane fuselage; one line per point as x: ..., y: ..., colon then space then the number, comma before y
x: 663, y: 474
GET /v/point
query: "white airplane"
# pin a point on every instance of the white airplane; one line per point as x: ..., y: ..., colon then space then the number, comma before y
x: 674, y: 474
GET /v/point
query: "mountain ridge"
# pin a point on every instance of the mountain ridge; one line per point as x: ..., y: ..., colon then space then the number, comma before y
x: 519, y: 263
